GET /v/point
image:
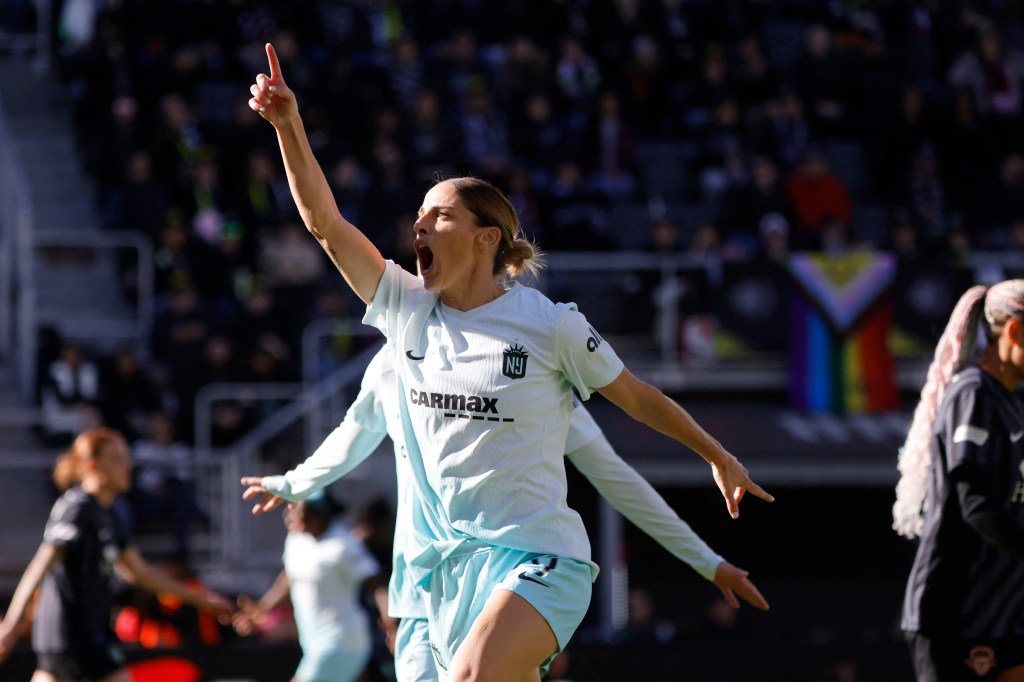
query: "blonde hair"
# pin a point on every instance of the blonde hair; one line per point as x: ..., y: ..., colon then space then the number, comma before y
x: 490, y: 208
x: 87, y: 446
x: 953, y: 352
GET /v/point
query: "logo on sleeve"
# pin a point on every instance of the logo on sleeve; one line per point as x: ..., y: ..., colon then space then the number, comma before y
x: 1016, y: 436
x: 513, y: 361
x: 970, y: 434
x: 595, y: 340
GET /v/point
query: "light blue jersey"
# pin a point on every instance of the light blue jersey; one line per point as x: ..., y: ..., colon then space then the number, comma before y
x: 485, y: 402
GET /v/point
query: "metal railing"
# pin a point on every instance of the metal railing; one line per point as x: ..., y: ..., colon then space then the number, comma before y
x: 21, y: 243
x: 17, y: 284
x: 138, y: 327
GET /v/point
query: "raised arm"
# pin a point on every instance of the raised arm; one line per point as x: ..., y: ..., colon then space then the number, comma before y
x: 637, y: 500
x: 355, y: 256
x: 19, y: 613
x: 648, y: 405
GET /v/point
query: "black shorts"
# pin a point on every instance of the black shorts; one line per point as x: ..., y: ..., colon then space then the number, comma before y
x: 955, y: 659
x: 81, y: 665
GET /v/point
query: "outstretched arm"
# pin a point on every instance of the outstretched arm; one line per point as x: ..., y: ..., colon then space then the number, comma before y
x: 19, y: 612
x: 353, y: 254
x: 637, y: 500
x: 647, y: 404
x: 358, y: 435
x: 141, y: 573
x: 344, y: 449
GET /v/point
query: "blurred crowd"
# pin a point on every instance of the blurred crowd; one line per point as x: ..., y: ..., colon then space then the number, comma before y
x: 723, y: 129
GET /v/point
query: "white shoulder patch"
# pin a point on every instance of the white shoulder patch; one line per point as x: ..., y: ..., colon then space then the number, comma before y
x: 973, y: 434
x: 62, y: 532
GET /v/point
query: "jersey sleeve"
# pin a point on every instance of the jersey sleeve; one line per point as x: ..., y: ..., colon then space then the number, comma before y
x: 582, y: 427
x: 355, y: 439
x: 396, y: 290
x: 969, y: 431
x: 588, y: 361
x: 65, y: 526
x: 637, y: 500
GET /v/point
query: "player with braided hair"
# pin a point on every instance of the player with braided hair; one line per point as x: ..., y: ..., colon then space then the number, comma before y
x: 962, y: 491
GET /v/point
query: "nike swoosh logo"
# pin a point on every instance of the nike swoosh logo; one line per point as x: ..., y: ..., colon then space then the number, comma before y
x: 1014, y: 437
x: 526, y: 576
x: 409, y: 355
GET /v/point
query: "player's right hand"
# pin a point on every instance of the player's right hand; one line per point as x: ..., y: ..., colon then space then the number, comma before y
x: 254, y: 488
x: 271, y: 98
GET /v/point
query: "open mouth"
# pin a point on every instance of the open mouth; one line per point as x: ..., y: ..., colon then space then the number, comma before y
x: 424, y: 258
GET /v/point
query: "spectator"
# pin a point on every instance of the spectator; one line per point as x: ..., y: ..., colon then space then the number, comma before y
x: 993, y: 73
x: 927, y: 193
x: 573, y: 214
x: 526, y: 71
x: 539, y: 138
x: 71, y: 394
x: 608, y: 149
x: 743, y: 206
x: 130, y: 395
x: 427, y: 137
x: 262, y: 197
x: 578, y: 79
x: 140, y: 202
x: 773, y: 229
x: 163, y: 495
x: 483, y: 133
x: 818, y: 196
x: 823, y: 82
x: 790, y: 131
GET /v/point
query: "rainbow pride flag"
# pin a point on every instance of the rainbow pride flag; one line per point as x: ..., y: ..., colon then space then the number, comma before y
x: 839, y: 359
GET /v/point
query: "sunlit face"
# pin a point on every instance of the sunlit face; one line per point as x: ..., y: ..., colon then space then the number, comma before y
x: 113, y: 466
x: 1014, y: 350
x: 449, y: 245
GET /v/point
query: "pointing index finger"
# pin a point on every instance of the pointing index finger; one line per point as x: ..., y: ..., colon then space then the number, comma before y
x: 275, y: 65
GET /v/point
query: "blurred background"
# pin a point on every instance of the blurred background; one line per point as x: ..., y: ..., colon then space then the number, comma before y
x: 768, y: 207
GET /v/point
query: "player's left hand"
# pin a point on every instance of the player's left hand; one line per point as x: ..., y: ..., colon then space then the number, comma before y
x: 733, y: 582
x: 734, y: 482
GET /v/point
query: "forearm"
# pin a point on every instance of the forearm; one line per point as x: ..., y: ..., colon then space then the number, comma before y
x: 342, y: 451
x: 668, y: 417
x: 19, y: 609
x: 349, y: 249
x: 154, y: 579
x: 992, y: 524
x: 19, y: 612
x: 276, y: 594
x: 309, y: 187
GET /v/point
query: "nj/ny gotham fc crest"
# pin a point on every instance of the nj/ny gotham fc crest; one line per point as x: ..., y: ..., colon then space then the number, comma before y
x: 513, y: 361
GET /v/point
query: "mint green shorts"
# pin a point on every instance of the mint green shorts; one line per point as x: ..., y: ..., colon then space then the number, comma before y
x: 414, y: 659
x: 559, y: 588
